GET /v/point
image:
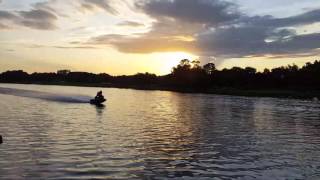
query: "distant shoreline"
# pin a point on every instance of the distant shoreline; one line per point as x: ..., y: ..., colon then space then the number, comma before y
x: 275, y: 93
x: 189, y: 77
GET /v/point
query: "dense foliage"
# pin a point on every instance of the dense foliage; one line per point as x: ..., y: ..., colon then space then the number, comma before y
x: 188, y: 75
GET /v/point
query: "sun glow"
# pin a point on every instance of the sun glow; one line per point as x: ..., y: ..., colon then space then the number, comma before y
x: 171, y: 59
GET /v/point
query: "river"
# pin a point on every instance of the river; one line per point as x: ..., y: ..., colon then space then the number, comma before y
x: 51, y: 132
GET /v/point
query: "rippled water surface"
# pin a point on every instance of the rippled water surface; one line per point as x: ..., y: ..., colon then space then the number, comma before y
x: 50, y: 132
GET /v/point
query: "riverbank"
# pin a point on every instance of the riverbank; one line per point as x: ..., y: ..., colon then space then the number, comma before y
x: 276, y: 93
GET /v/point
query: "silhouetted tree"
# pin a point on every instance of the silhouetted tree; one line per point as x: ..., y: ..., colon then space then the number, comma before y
x: 14, y: 76
x: 188, y: 74
x: 209, y: 68
x: 195, y: 64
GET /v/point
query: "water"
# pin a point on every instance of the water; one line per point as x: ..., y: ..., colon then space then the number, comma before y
x: 51, y: 133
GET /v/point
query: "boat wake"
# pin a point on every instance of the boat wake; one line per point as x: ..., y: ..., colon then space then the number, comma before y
x: 46, y: 95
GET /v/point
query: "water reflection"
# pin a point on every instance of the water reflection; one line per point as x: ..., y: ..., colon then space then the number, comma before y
x: 159, y: 135
x: 100, y: 109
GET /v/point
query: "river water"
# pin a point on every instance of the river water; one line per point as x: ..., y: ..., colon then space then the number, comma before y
x: 51, y: 132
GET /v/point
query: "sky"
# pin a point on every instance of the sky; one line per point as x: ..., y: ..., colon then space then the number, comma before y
x: 130, y: 36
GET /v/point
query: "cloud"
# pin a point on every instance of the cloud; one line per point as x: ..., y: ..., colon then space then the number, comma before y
x: 296, y: 44
x: 216, y: 28
x: 5, y: 15
x: 258, y: 36
x: 232, y: 41
x: 38, y: 19
x: 131, y: 23
x: 176, y: 23
x: 194, y: 11
x: 100, y: 4
x: 269, y: 21
x: 35, y: 19
x: 2, y: 27
x: 143, y: 44
x: 166, y: 35
x: 36, y: 46
x: 46, y: 5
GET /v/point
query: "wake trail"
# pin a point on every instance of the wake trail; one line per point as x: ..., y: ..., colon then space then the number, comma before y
x: 46, y: 95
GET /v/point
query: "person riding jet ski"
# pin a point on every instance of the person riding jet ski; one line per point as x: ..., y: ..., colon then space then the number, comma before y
x: 98, y: 99
x: 99, y: 96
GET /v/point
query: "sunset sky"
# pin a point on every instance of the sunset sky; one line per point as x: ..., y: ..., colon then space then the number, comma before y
x: 130, y: 36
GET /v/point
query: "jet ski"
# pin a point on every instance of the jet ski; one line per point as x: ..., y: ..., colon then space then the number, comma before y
x: 97, y: 101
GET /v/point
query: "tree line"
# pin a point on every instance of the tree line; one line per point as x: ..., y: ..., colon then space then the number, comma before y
x: 187, y: 74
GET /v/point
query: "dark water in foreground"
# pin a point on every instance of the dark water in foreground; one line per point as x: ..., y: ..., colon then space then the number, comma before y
x: 155, y: 135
